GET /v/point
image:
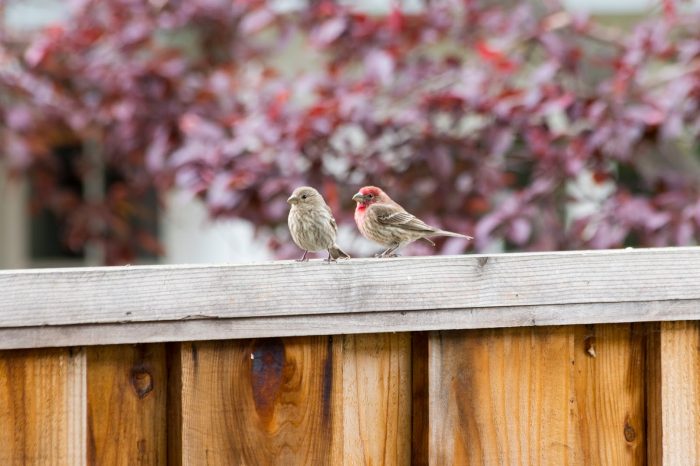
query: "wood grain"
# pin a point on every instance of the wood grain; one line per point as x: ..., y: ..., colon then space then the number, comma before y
x: 42, y: 409
x: 537, y: 396
x: 174, y: 403
x: 674, y: 386
x: 297, y: 401
x: 257, y: 401
x: 376, y: 400
x: 653, y: 396
x: 365, y: 322
x: 162, y: 293
x: 126, y: 400
x: 609, y: 391
x: 420, y: 399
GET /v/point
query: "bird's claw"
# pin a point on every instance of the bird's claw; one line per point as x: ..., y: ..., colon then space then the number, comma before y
x: 382, y: 255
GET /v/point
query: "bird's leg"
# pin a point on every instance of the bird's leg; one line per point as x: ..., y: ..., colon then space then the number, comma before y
x: 388, y: 252
x: 303, y: 258
x: 330, y: 259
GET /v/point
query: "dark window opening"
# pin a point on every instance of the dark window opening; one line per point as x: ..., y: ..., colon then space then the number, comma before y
x: 47, y: 230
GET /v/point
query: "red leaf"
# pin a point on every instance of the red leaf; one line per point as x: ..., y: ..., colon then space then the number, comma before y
x: 600, y: 176
x: 495, y: 57
x: 487, y: 52
x: 669, y: 7
x: 395, y: 19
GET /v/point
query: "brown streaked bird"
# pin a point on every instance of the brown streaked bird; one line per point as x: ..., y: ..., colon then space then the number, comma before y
x: 383, y: 221
x: 312, y: 224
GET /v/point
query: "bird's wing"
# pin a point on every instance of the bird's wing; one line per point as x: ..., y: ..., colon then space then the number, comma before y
x: 332, y: 219
x: 390, y: 215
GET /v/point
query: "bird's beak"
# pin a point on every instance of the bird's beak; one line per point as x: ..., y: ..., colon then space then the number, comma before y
x: 292, y: 200
x: 358, y: 197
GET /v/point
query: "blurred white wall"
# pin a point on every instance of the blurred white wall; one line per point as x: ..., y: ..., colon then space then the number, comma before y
x: 14, y: 218
x: 190, y: 236
x: 23, y: 15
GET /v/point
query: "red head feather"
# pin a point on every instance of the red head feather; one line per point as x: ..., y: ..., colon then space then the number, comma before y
x: 371, y: 190
x: 370, y: 195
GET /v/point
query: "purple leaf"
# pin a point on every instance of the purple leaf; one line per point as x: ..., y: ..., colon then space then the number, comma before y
x: 329, y: 31
x: 256, y: 20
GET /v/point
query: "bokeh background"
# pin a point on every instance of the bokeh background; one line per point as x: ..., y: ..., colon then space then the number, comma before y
x: 162, y: 131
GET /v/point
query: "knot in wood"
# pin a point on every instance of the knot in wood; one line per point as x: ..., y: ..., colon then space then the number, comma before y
x: 142, y: 381
x: 630, y: 433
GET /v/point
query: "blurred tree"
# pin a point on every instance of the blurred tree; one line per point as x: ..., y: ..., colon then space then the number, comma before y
x: 531, y: 129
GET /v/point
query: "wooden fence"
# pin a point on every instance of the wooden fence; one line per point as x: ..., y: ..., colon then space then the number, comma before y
x: 573, y: 358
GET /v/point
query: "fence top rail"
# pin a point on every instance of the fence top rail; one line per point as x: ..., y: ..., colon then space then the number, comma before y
x: 100, y: 305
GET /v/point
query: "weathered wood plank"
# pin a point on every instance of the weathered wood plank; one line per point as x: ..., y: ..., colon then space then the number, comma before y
x: 501, y: 397
x: 537, y: 396
x: 174, y: 403
x: 257, y: 402
x: 126, y: 400
x: 674, y: 401
x: 376, y: 400
x: 609, y: 375
x: 653, y: 396
x: 366, y: 322
x: 420, y: 399
x: 157, y: 293
x: 314, y: 400
x: 42, y: 407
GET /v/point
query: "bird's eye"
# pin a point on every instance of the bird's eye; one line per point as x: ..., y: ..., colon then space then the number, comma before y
x: 370, y: 196
x: 304, y: 196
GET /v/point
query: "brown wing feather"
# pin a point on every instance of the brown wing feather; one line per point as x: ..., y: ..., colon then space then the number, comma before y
x: 333, y: 223
x: 389, y: 215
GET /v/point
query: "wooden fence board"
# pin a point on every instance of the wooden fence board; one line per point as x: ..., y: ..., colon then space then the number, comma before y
x: 500, y: 397
x: 609, y: 372
x: 606, y: 392
x: 674, y: 395
x: 126, y: 399
x: 174, y: 355
x: 257, y: 401
x: 361, y: 322
x: 537, y: 396
x: 420, y: 399
x: 654, y: 432
x: 376, y: 399
x: 169, y: 293
x: 42, y: 407
x: 313, y: 400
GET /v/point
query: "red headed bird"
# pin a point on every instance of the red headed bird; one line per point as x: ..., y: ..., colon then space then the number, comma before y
x: 383, y: 221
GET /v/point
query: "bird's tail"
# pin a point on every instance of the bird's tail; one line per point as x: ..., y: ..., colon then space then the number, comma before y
x: 451, y: 233
x: 337, y: 253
